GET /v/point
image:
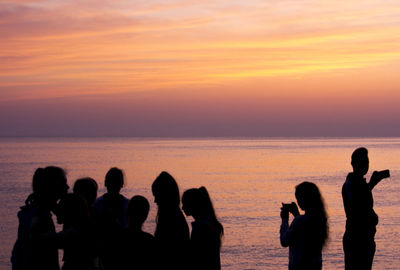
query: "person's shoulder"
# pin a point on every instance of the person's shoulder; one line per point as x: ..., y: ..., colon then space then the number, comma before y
x: 25, y: 216
x: 123, y: 198
x: 349, y: 177
x: 25, y: 211
x: 100, y: 199
x: 300, y: 219
x: 348, y: 182
x: 137, y: 236
x: 147, y: 236
x: 180, y: 217
x: 203, y: 224
x: 198, y: 225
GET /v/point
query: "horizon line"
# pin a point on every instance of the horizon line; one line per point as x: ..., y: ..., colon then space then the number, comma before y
x: 203, y: 137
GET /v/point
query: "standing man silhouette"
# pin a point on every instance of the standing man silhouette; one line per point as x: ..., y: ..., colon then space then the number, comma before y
x: 358, y: 240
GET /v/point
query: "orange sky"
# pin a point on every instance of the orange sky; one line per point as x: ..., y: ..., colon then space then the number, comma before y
x: 312, y: 51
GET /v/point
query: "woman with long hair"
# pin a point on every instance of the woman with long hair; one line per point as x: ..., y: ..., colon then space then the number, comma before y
x: 308, y: 233
x: 207, y: 231
x: 172, y: 231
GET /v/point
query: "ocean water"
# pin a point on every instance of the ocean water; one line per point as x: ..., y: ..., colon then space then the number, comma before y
x: 246, y: 178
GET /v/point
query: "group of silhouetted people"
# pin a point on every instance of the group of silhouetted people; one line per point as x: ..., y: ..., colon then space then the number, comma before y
x: 106, y: 232
x: 308, y: 233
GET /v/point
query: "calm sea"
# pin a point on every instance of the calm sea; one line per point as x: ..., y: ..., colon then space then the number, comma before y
x: 247, y: 180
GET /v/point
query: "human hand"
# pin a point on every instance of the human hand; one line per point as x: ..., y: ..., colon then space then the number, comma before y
x: 284, y: 211
x: 378, y: 176
x: 290, y: 208
x: 294, y: 209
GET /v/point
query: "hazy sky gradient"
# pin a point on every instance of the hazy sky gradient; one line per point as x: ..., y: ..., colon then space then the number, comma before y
x: 199, y: 68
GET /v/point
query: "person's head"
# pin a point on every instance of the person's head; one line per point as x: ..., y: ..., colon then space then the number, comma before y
x: 87, y: 188
x: 137, y: 211
x: 49, y: 185
x: 114, y: 180
x: 37, y: 180
x: 360, y: 161
x: 308, y: 196
x: 72, y: 210
x: 190, y: 201
x: 165, y: 191
x: 196, y: 202
x: 310, y: 200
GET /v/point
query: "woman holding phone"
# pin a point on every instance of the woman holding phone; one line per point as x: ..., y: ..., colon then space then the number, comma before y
x: 308, y: 233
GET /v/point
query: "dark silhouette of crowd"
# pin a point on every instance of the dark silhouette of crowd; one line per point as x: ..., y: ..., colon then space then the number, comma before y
x: 106, y: 232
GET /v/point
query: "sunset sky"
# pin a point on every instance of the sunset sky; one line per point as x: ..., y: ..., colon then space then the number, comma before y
x: 199, y: 68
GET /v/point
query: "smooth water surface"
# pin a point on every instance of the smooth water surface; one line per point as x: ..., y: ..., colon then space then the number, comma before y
x: 247, y: 180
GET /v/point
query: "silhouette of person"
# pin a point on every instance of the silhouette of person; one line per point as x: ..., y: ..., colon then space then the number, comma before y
x: 112, y: 216
x: 207, y: 231
x: 307, y: 233
x: 31, y: 251
x: 172, y: 231
x: 112, y: 205
x: 137, y: 246
x: 87, y: 188
x: 77, y: 238
x: 361, y: 219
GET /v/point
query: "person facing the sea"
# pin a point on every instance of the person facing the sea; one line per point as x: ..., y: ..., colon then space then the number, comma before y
x: 137, y: 247
x: 77, y: 238
x: 31, y: 250
x: 112, y: 217
x: 112, y: 205
x: 207, y: 231
x: 361, y: 219
x: 172, y: 231
x: 308, y: 233
x: 87, y: 188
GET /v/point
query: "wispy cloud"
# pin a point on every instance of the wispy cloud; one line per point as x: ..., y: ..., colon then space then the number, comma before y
x: 56, y: 48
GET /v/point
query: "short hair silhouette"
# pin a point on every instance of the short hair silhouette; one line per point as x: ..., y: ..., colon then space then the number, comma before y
x: 360, y: 161
x: 73, y: 210
x: 111, y: 216
x: 359, y: 153
x: 87, y: 188
x: 137, y: 210
x: 114, y: 180
x: 136, y: 249
x: 361, y: 220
